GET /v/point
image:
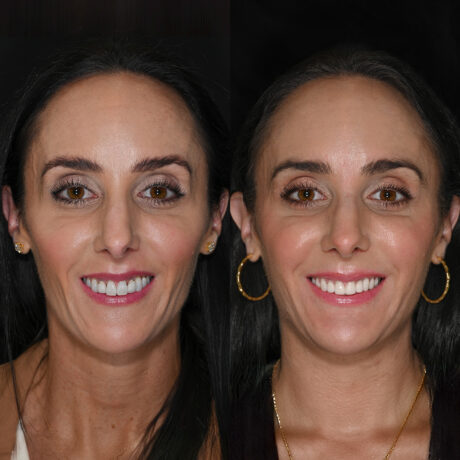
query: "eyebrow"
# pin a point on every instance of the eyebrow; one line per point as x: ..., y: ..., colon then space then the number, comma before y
x: 145, y: 165
x: 318, y: 167
x: 81, y: 164
x: 381, y: 166
x: 374, y: 167
x: 150, y: 164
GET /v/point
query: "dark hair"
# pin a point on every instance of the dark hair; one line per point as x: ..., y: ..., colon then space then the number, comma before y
x: 435, y: 328
x: 189, y: 407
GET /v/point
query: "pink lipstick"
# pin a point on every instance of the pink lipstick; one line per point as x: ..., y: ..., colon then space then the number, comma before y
x: 346, y: 289
x: 117, y: 289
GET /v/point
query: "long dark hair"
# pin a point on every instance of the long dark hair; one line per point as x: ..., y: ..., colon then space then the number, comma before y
x: 435, y: 328
x: 189, y: 408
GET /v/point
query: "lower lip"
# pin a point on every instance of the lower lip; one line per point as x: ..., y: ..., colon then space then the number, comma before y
x: 346, y: 300
x: 117, y: 300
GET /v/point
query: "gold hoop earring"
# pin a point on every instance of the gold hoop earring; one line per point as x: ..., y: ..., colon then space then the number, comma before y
x: 446, y: 288
x: 19, y: 248
x: 240, y: 286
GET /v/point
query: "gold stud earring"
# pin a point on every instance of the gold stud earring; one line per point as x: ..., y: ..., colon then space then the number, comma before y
x: 211, y: 246
x: 240, y: 286
x: 446, y: 288
x: 19, y: 248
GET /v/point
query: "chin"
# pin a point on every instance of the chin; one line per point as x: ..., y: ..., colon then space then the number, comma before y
x: 345, y: 341
x: 116, y: 342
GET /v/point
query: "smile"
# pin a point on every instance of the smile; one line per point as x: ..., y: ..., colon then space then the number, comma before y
x: 120, y: 288
x: 346, y: 288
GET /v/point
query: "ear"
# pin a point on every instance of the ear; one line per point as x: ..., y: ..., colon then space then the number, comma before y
x: 215, y: 227
x: 244, y: 220
x: 447, y: 227
x: 13, y: 217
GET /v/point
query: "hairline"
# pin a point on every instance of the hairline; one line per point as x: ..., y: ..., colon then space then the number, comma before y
x: 265, y: 125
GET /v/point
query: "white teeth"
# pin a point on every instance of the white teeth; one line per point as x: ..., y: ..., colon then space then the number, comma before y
x: 131, y: 286
x: 349, y: 288
x: 323, y: 284
x: 138, y: 284
x: 122, y: 288
x: 101, y: 287
x: 111, y: 289
x: 339, y: 288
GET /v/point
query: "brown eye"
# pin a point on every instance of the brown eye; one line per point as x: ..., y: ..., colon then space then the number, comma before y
x: 75, y: 193
x: 306, y: 194
x: 388, y: 195
x: 158, y: 193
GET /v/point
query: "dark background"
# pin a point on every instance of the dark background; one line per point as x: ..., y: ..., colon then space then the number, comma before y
x: 268, y: 37
x: 197, y: 31
x: 238, y: 46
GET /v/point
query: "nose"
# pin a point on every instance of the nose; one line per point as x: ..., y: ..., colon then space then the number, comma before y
x: 346, y: 230
x: 117, y: 233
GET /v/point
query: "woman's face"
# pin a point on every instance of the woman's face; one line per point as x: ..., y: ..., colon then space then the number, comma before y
x: 346, y: 216
x: 116, y: 210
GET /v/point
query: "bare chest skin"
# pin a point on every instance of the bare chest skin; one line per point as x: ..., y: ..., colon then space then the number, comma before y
x: 315, y: 445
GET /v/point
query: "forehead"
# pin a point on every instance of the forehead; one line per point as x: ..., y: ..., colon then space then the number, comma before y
x: 345, y: 118
x: 126, y: 113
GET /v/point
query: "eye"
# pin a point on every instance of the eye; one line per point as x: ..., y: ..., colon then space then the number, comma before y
x: 302, y: 195
x: 391, y: 195
x: 162, y: 193
x: 159, y: 193
x: 72, y: 193
x: 306, y: 194
x: 75, y: 193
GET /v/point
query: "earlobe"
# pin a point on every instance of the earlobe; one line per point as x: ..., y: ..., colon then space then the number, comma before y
x: 449, y: 223
x: 215, y: 228
x: 12, y: 216
x: 244, y: 222
x: 10, y: 210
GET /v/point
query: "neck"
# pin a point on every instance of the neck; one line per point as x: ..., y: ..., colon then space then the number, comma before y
x: 349, y: 394
x: 101, y: 401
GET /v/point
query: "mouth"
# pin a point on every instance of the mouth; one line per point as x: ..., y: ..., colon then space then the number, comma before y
x: 111, y: 289
x: 341, y: 290
x: 121, y: 288
x: 347, y: 288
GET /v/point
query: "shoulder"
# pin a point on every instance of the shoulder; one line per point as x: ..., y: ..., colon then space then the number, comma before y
x: 24, y: 369
x: 9, y: 418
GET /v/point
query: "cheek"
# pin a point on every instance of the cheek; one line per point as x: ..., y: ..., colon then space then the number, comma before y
x: 58, y: 244
x: 173, y: 241
x: 290, y: 241
x: 407, y: 243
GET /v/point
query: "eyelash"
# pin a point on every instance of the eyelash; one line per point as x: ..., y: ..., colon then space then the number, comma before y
x: 288, y: 191
x: 171, y: 186
x: 396, y: 188
x: 67, y: 184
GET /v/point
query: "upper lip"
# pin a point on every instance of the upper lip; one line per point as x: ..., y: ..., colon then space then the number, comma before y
x: 118, y: 276
x: 346, y: 277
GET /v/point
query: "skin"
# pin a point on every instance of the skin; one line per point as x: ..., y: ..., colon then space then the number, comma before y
x: 109, y: 368
x: 358, y: 360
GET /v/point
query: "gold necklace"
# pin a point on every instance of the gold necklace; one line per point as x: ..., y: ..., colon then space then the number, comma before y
x: 393, y: 445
